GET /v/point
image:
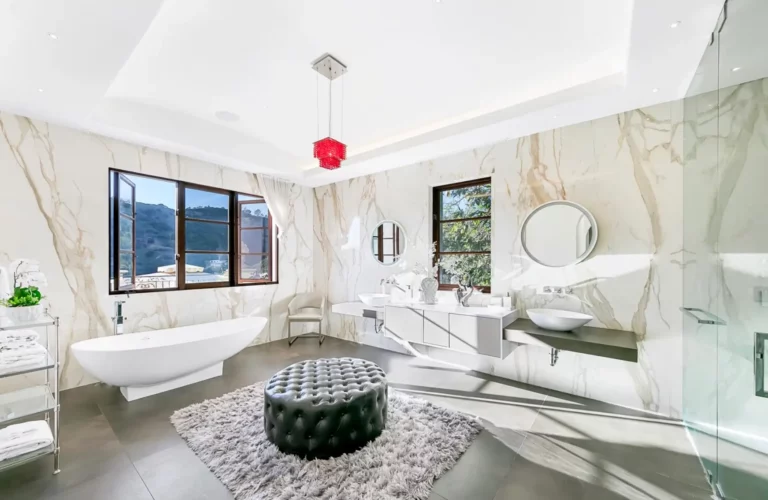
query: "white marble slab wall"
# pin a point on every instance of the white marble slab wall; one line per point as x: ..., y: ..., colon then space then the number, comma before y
x: 54, y: 208
x: 626, y: 169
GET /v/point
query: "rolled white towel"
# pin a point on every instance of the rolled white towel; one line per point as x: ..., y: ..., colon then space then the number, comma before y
x: 24, y: 438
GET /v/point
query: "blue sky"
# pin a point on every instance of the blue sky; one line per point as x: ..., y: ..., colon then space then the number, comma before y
x: 154, y: 191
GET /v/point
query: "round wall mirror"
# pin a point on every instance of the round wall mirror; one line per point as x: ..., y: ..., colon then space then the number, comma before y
x: 388, y: 242
x: 559, y: 233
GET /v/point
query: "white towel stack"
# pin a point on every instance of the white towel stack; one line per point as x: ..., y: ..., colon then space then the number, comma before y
x: 24, y: 438
x: 20, y: 349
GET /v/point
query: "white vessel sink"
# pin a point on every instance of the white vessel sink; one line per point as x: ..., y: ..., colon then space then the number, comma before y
x: 557, y: 319
x: 374, y: 299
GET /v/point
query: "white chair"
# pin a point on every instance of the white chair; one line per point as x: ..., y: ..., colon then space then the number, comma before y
x: 307, y: 308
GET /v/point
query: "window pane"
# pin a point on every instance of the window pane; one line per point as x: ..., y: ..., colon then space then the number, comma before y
x: 126, y: 271
x: 466, y: 236
x: 206, y: 236
x: 126, y: 234
x: 207, y: 268
x: 126, y: 198
x: 473, y: 268
x: 389, y: 246
x: 254, y: 240
x: 254, y: 267
x: 254, y: 215
x: 462, y: 203
x: 206, y: 205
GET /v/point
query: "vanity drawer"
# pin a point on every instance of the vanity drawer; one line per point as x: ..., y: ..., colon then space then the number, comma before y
x: 436, y: 329
x: 405, y: 323
x: 475, y: 335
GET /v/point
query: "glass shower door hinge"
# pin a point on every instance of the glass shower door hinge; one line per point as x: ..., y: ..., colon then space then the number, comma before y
x: 760, y: 340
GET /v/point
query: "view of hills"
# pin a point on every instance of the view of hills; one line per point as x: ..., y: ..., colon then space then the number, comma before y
x: 156, y: 236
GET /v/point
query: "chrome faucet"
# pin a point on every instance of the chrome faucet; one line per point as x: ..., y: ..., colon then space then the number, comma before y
x: 118, y: 320
x: 392, y: 281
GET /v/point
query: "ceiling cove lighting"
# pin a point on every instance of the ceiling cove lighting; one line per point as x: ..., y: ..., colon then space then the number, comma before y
x: 329, y: 151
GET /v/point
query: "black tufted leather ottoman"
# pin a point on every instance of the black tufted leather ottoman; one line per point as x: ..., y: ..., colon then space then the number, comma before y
x: 326, y: 407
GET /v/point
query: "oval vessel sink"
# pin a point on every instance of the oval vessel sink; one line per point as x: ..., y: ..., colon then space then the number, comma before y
x: 557, y: 319
x: 374, y: 299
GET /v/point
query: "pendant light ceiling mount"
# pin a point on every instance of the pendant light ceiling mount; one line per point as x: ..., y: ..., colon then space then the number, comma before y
x: 329, y: 151
x: 329, y: 66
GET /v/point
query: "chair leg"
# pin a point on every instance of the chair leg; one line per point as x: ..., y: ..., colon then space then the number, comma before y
x: 320, y: 332
x: 290, y: 340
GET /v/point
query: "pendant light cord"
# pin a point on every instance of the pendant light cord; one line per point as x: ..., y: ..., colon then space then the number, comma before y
x: 343, y: 77
x: 317, y: 103
x: 330, y: 106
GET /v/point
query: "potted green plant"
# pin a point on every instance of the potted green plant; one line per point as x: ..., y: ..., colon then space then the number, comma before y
x: 24, y: 303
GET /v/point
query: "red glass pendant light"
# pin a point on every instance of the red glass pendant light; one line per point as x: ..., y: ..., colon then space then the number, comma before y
x: 329, y: 151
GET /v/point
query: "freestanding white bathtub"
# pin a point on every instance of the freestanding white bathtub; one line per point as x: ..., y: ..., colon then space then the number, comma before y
x: 143, y: 364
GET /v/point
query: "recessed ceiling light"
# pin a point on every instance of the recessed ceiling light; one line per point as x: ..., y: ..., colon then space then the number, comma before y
x: 227, y: 116
x: 554, y: 116
x: 53, y: 36
x: 655, y: 90
x: 737, y: 68
x: 675, y: 24
x: 39, y: 90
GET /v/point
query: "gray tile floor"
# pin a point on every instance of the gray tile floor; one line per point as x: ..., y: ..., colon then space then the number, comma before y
x: 538, y: 443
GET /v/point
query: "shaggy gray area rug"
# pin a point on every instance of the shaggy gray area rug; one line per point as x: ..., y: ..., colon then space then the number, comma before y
x: 421, y: 442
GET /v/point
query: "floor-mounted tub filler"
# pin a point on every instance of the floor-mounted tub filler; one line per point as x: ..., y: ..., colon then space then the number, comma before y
x: 143, y: 364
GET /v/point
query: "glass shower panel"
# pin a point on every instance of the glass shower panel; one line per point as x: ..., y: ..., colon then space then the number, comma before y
x: 741, y: 226
x: 700, y: 285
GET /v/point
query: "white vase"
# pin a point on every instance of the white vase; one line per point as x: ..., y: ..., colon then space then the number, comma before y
x: 429, y: 289
x: 27, y: 314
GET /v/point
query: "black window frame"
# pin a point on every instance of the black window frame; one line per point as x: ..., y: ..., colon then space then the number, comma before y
x: 233, y: 252
x: 437, y: 222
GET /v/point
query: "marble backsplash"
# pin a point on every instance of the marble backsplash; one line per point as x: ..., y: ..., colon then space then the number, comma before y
x: 54, y: 209
x: 626, y: 169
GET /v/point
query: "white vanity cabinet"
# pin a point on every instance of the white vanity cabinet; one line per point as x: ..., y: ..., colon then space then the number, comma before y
x: 437, y: 328
x: 476, y: 335
x: 474, y: 330
x: 405, y: 323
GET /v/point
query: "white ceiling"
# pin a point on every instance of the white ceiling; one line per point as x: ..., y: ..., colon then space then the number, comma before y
x: 738, y: 53
x: 426, y: 78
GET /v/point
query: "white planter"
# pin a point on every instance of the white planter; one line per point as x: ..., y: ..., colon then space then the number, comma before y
x: 24, y: 314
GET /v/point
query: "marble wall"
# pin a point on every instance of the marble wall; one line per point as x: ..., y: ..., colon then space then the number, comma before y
x: 626, y: 169
x: 54, y: 209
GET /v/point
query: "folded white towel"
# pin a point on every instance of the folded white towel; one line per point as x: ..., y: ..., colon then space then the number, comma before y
x: 13, y: 352
x: 24, y: 438
x: 18, y: 336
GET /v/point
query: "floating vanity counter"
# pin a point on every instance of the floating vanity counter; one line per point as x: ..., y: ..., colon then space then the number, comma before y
x: 604, y: 342
x: 474, y: 330
x: 358, y: 309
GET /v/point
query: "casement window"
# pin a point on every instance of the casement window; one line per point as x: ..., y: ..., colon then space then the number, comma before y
x: 173, y: 235
x: 462, y: 232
